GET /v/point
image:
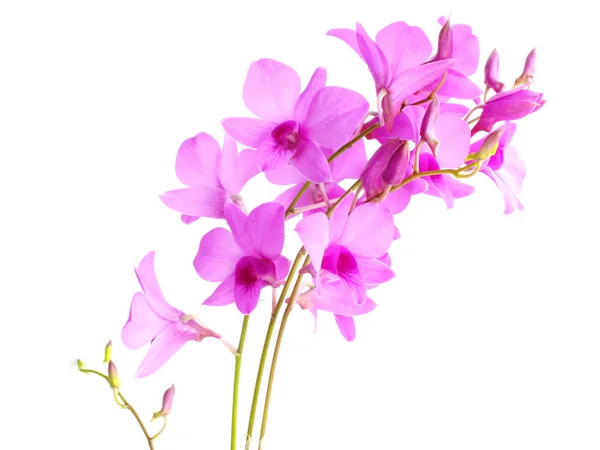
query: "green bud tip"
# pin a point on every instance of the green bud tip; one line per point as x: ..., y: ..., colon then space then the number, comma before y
x: 108, y: 352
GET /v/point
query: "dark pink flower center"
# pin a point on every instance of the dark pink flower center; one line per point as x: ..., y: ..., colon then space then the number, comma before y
x: 339, y: 260
x: 287, y: 134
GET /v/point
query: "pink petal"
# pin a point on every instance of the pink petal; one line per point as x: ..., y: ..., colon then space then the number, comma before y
x: 271, y: 156
x: 282, y: 268
x: 271, y: 90
x: 369, y: 231
x: 248, y: 131
x: 154, y: 296
x: 402, y: 128
x: 407, y: 83
x: 236, y: 220
x: 197, y: 161
x: 287, y: 196
x: 346, y: 326
x: 223, y: 294
x: 350, y: 163
x: 287, y: 174
x: 335, y: 113
x: 143, y: 324
x: 374, y: 57
x: 314, y: 234
x: 338, y: 219
x: 398, y: 200
x: 265, y: 230
x: 454, y: 135
x: 465, y: 49
x: 168, y: 341
x: 197, y: 201
x: 311, y: 163
x: 349, y: 37
x: 217, y: 255
x: 250, y: 277
x: 235, y: 170
x: 456, y: 85
x: 374, y: 272
x: 316, y: 83
x: 404, y: 46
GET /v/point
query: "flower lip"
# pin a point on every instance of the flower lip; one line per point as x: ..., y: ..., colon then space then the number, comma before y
x: 287, y: 134
x: 339, y: 261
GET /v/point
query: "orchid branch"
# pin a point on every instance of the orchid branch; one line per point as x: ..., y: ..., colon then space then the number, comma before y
x: 236, y: 381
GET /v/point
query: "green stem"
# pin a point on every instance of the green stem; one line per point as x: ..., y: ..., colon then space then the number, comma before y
x: 236, y: 381
x: 284, y: 320
x: 265, y: 350
x: 127, y: 406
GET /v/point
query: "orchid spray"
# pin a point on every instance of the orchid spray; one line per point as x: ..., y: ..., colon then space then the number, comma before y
x: 431, y: 128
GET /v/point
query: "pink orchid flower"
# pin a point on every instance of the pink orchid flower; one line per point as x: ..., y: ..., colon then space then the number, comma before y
x: 508, y: 105
x: 245, y: 259
x: 344, y: 252
x: 295, y: 126
x: 396, y: 60
x: 213, y: 177
x: 152, y: 319
x: 505, y: 168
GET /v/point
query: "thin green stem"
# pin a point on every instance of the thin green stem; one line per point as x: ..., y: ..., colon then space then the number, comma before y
x: 284, y: 320
x: 265, y: 350
x: 127, y: 405
x: 236, y: 381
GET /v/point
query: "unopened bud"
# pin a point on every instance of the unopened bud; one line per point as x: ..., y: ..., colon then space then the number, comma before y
x: 428, y: 125
x: 445, y: 42
x: 167, y: 403
x: 108, y: 352
x: 113, y: 376
x: 395, y: 170
x: 492, y: 71
x: 489, y: 146
x: 528, y: 71
x: 80, y: 364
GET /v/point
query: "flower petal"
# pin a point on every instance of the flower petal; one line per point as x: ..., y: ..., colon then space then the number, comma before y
x: 407, y: 83
x: 334, y: 114
x: 143, y: 323
x: 311, y: 163
x: 197, y: 161
x: 271, y: 90
x: 454, y: 135
x: 349, y: 37
x: 197, y: 201
x: 223, y: 294
x: 168, y: 341
x: 287, y: 174
x: 404, y: 46
x: 236, y: 220
x: 154, y: 296
x: 374, y: 57
x: 314, y: 234
x: 316, y: 83
x: 338, y: 219
x: 251, y: 275
x: 346, y: 326
x: 265, y: 230
x: 374, y: 272
x: 217, y: 255
x: 235, y: 170
x: 248, y: 131
x: 369, y: 231
x: 350, y: 163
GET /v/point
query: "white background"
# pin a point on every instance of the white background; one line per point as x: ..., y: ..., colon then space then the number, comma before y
x: 488, y: 338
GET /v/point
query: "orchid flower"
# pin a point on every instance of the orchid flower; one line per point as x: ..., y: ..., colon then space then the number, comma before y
x: 344, y: 252
x: 396, y: 59
x: 152, y: 320
x: 294, y: 127
x: 213, y: 177
x: 245, y: 259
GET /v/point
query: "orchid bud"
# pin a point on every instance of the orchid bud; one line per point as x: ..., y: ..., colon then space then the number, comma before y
x: 167, y: 403
x: 113, y: 376
x: 489, y: 146
x: 395, y: 170
x: 108, y: 352
x: 491, y: 72
x: 528, y: 71
x: 80, y: 364
x: 428, y: 125
x: 445, y: 42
